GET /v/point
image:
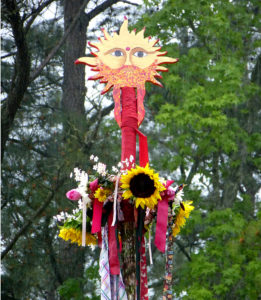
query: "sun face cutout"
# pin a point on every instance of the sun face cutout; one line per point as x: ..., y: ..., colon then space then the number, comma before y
x: 127, y: 59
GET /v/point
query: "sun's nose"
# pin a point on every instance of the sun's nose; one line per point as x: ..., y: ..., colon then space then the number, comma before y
x: 128, y: 61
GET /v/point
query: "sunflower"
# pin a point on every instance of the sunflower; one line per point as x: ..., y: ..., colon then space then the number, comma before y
x: 142, y: 184
x: 183, y: 214
x: 101, y: 194
x: 76, y: 236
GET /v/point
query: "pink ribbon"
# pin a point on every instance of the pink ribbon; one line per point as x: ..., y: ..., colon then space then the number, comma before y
x: 113, y: 249
x: 162, y: 217
x: 97, y: 216
x: 97, y: 209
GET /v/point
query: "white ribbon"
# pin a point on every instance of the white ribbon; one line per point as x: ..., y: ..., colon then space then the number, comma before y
x: 115, y: 200
x: 149, y: 245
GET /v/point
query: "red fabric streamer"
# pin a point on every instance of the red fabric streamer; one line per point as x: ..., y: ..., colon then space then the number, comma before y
x: 97, y: 216
x: 99, y: 239
x: 162, y: 222
x: 143, y: 149
x: 129, y: 124
x: 129, y: 128
x: 162, y: 217
x: 113, y: 249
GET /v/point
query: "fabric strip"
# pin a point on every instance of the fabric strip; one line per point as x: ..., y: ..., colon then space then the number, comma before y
x: 143, y: 273
x: 97, y: 216
x: 143, y: 149
x: 113, y: 249
x: 161, y: 225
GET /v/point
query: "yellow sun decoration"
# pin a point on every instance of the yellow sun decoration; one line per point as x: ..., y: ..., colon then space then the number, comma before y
x: 127, y: 59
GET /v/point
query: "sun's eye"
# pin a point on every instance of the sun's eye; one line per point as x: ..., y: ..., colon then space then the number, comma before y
x: 117, y: 53
x: 140, y: 54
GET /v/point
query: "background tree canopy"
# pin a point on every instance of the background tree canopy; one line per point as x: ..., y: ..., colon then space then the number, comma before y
x: 204, y: 129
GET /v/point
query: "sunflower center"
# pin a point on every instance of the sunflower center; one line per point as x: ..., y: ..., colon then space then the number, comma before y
x: 142, y: 186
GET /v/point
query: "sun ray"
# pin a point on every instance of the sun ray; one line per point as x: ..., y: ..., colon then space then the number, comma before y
x: 89, y: 61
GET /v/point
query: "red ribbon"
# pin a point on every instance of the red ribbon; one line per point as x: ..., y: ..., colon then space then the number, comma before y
x: 162, y: 217
x: 162, y: 222
x: 97, y: 216
x: 143, y: 149
x: 113, y: 249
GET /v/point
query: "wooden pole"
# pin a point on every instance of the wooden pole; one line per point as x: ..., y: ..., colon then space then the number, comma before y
x: 128, y: 147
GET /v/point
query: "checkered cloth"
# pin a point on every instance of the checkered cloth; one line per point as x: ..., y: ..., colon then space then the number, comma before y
x: 112, y: 286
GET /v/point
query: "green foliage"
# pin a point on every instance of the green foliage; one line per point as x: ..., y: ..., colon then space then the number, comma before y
x: 228, y: 260
x: 71, y: 289
x: 208, y: 121
x: 203, y: 130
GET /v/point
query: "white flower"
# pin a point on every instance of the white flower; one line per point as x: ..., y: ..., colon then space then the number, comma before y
x: 92, y: 157
x: 95, y: 167
x: 71, y: 175
x: 114, y: 169
x: 179, y: 197
x: 162, y: 180
x: 95, y: 158
x: 119, y: 165
x: 80, y: 204
x: 101, y: 169
x: 86, y: 199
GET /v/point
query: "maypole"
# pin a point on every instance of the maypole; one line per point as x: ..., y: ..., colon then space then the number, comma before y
x: 121, y: 207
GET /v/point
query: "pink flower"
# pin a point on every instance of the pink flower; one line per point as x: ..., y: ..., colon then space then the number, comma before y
x: 169, y: 192
x: 73, y: 195
x: 94, y: 185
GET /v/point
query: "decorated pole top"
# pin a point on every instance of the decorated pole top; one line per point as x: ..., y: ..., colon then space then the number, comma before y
x: 127, y: 59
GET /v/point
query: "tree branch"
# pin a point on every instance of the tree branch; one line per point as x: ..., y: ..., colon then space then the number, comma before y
x: 20, y: 79
x: 192, y: 172
x: 51, y: 251
x: 33, y: 218
x: 37, y: 72
x: 35, y: 14
x: 128, y: 2
x: 31, y: 147
x: 183, y: 250
x: 98, y: 9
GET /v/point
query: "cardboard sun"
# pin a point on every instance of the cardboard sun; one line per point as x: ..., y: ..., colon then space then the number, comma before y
x: 127, y: 59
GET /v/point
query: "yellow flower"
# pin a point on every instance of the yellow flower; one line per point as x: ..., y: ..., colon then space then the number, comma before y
x: 144, y: 185
x: 101, y: 194
x: 76, y: 236
x: 181, y: 217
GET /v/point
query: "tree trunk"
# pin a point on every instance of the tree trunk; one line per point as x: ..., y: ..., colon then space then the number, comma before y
x: 75, y: 45
x: 71, y: 258
x: 20, y: 80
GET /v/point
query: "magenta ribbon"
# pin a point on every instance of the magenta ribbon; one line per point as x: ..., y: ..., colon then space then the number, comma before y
x: 162, y: 217
x: 113, y: 248
x: 97, y: 209
x: 97, y: 216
